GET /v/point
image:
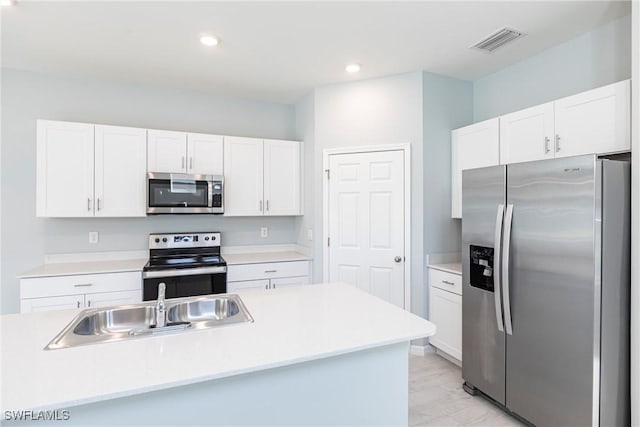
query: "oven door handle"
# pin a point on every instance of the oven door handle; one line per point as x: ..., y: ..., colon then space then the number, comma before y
x: 183, y: 272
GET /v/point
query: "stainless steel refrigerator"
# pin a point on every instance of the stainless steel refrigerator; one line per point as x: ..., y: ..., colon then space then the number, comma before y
x: 546, y: 278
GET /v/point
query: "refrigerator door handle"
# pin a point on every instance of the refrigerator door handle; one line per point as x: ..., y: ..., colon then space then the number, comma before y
x: 496, y: 266
x: 506, y: 300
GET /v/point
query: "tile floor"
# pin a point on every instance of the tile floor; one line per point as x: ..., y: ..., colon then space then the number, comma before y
x: 436, y: 397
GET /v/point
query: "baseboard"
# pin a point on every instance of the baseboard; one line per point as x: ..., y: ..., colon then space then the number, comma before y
x: 421, y: 350
x: 447, y: 356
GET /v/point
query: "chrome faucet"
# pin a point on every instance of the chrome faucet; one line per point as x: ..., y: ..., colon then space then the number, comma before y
x: 161, y: 319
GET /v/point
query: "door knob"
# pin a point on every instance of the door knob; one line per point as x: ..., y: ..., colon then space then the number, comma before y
x: 398, y: 259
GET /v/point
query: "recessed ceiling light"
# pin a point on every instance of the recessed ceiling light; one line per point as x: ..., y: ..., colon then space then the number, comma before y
x: 352, y: 68
x: 205, y: 40
x: 7, y: 2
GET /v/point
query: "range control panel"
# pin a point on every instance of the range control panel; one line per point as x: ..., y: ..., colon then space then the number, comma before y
x: 184, y: 240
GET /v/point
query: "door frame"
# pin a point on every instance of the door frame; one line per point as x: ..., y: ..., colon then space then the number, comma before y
x: 406, y: 150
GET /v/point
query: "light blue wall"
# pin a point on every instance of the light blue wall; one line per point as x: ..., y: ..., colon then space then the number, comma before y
x: 29, y: 96
x: 447, y: 105
x: 590, y: 60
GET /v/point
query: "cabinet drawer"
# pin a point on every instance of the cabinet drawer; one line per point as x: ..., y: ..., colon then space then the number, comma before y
x: 247, y: 284
x: 268, y: 270
x: 80, y: 284
x: 446, y: 281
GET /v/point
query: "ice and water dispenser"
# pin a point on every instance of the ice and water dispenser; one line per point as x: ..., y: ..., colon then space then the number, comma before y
x: 481, y: 267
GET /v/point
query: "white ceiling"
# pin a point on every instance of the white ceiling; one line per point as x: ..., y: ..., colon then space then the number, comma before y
x: 279, y: 51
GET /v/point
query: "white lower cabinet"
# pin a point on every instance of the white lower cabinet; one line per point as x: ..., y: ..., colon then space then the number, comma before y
x: 80, y: 291
x: 445, y: 311
x: 268, y: 275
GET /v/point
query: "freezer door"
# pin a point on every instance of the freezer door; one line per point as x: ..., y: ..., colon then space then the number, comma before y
x: 550, y: 353
x: 483, y: 341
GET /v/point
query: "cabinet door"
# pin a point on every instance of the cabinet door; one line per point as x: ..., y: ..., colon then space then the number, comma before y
x: 594, y: 122
x: 31, y: 305
x: 120, y: 167
x: 105, y: 299
x: 282, y: 177
x: 473, y: 146
x: 289, y: 281
x: 527, y: 135
x: 64, y: 169
x: 243, y: 174
x: 445, y: 311
x: 167, y: 151
x: 204, y: 154
x: 247, y: 284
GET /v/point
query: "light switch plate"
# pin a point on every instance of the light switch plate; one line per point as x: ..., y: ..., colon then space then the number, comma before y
x: 93, y: 237
x: 264, y: 232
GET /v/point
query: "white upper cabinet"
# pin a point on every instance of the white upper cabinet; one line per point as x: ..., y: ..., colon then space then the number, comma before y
x: 262, y: 177
x: 64, y: 169
x: 473, y: 146
x: 204, y: 154
x: 527, y: 135
x: 282, y: 177
x: 181, y: 152
x: 120, y: 171
x: 243, y: 176
x: 90, y: 170
x: 597, y: 121
x: 167, y: 151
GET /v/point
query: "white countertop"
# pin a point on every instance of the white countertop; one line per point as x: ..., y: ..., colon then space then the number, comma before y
x: 291, y: 325
x: 85, y: 267
x: 452, y: 267
x: 259, y: 257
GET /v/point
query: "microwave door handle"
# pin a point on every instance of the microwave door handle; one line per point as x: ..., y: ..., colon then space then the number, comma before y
x: 506, y: 246
x: 497, y: 241
x: 210, y: 194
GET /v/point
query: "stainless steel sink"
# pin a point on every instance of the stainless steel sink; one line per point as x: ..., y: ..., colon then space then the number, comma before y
x: 138, y: 320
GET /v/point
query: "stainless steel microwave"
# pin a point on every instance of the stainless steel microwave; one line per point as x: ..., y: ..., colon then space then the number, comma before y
x: 175, y: 193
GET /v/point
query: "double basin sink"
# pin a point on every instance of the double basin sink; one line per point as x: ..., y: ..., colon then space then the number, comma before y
x: 139, y: 320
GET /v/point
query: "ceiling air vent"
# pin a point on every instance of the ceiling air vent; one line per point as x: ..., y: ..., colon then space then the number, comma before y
x: 498, y: 39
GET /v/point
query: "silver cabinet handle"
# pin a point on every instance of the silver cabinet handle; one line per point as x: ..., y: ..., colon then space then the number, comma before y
x: 271, y: 271
x: 398, y: 259
x: 89, y: 303
x: 191, y: 163
x: 182, y: 163
x: 506, y: 300
x: 78, y: 304
x: 88, y: 203
x: 546, y: 144
x: 98, y: 203
x: 497, y: 242
x: 557, y: 143
x: 267, y: 206
x: 83, y: 285
x: 273, y: 286
x: 446, y: 282
x: 266, y: 286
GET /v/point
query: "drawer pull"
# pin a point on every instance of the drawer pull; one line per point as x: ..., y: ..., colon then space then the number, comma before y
x: 446, y: 282
x: 271, y: 271
x: 83, y: 285
x: 78, y: 305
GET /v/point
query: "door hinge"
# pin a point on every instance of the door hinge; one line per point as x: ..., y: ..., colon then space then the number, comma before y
x: 328, y: 173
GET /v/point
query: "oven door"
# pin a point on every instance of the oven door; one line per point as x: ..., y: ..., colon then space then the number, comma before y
x: 179, y: 193
x: 185, y: 282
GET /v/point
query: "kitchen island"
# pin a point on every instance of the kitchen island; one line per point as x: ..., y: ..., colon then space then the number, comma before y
x: 325, y: 354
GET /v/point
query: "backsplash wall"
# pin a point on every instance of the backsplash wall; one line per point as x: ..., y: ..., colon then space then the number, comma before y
x: 28, y: 96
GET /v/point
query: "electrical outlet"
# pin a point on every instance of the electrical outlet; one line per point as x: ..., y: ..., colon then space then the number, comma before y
x: 264, y: 232
x: 93, y: 237
x: 309, y: 234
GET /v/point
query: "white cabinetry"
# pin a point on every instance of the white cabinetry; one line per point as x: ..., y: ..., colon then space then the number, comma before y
x: 90, y: 170
x: 473, y: 146
x: 445, y: 311
x: 79, y: 291
x: 181, y: 152
x: 268, y: 275
x: 527, y: 135
x: 262, y: 177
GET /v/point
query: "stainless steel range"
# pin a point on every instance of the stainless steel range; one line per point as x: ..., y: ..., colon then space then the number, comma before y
x: 189, y: 264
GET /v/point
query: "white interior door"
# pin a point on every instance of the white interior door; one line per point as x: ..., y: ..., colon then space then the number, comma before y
x: 366, y: 222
